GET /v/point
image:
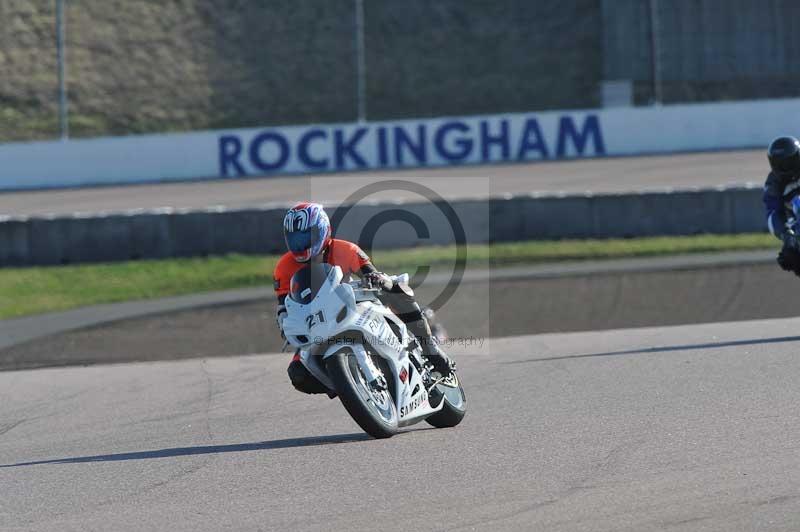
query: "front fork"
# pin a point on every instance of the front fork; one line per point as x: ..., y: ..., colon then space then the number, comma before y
x: 415, y: 356
x: 372, y: 374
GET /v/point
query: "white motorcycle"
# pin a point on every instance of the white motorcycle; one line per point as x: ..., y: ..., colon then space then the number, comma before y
x: 360, y: 350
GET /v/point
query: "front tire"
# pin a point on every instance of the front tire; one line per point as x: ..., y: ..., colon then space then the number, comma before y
x: 374, y: 411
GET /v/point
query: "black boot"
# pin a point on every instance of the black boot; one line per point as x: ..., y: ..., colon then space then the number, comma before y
x: 430, y: 347
x: 441, y: 362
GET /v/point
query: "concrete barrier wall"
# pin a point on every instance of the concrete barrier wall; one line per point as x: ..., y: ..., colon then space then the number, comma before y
x: 167, y: 233
x: 732, y: 210
x: 432, y: 142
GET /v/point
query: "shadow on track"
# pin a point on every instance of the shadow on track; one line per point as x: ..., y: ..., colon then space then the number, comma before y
x: 209, y: 449
x: 664, y: 349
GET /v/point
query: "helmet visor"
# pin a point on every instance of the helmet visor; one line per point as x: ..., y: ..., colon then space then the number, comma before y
x: 788, y: 164
x: 298, y: 241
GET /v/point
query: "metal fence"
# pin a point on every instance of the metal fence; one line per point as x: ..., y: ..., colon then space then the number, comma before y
x: 137, y: 66
x: 676, y: 51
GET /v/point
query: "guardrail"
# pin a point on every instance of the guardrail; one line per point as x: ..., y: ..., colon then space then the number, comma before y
x: 167, y: 233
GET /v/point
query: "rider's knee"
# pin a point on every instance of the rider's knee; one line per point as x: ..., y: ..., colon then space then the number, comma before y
x: 303, y: 380
x: 402, y: 290
x: 401, y: 302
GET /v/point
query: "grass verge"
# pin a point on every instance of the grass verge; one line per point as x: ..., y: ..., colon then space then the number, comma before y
x: 25, y: 291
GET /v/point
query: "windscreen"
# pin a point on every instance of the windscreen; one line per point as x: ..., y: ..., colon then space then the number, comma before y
x: 307, y: 281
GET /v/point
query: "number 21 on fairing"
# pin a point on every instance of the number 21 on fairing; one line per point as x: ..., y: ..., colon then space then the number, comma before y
x: 313, y: 319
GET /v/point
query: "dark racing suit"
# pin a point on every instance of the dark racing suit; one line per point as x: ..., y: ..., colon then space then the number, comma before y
x: 779, y: 191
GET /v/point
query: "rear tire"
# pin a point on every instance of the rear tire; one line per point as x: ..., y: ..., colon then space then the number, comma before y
x: 375, y: 413
x: 455, y: 404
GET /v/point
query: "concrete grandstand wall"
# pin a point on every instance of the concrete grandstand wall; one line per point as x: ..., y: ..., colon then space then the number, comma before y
x: 141, y: 66
x: 162, y: 234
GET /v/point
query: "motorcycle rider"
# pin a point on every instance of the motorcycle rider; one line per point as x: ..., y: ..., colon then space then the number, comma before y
x: 307, y: 231
x: 780, y: 189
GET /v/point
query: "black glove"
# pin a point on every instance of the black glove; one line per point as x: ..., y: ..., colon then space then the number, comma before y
x: 280, y: 315
x: 789, y: 256
x: 379, y: 280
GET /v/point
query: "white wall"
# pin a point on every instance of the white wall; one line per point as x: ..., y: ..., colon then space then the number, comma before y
x: 409, y: 143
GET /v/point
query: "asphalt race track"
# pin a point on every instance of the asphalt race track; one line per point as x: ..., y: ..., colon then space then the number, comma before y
x: 675, y: 428
x: 681, y: 428
x: 620, y: 174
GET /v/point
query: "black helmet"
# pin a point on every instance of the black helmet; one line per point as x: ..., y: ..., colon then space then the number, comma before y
x: 784, y: 155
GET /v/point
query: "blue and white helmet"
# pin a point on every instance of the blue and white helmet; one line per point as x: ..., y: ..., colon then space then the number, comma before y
x: 307, y: 231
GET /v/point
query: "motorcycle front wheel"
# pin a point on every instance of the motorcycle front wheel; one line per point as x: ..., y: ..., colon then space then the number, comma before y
x: 373, y: 409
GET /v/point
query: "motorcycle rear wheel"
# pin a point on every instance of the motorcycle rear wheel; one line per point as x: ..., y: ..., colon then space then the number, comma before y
x: 374, y: 411
x: 455, y: 403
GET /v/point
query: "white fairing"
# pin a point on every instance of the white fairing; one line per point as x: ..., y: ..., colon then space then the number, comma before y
x: 338, y: 308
